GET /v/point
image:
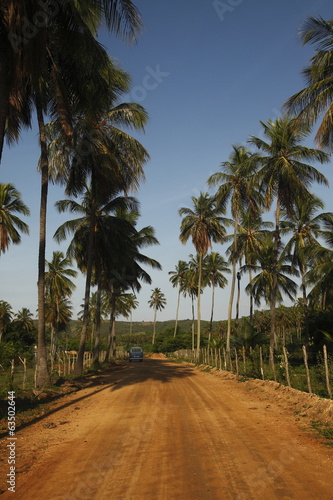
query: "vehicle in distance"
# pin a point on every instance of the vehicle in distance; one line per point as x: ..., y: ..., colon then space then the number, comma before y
x: 135, y: 353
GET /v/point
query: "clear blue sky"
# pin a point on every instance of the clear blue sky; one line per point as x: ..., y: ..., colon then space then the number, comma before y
x: 207, y: 72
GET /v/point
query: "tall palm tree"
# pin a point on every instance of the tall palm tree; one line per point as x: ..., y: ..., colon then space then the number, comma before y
x: 235, y: 185
x: 6, y: 315
x: 68, y: 28
x: 24, y: 318
x: 47, y: 71
x: 191, y: 288
x: 315, y: 101
x: 252, y: 231
x: 305, y: 226
x: 214, y: 270
x: 178, y: 279
x: 58, y: 286
x: 157, y: 302
x: 10, y: 224
x: 203, y: 224
x: 285, y: 177
x: 270, y: 274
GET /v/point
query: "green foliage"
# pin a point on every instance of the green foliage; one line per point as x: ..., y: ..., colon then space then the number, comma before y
x: 167, y: 342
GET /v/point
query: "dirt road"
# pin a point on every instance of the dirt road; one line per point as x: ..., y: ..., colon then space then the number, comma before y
x: 162, y: 431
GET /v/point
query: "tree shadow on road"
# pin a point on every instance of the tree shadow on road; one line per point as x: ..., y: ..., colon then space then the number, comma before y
x: 161, y: 370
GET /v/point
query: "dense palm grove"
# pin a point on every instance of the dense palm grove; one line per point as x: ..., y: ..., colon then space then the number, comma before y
x: 60, y: 73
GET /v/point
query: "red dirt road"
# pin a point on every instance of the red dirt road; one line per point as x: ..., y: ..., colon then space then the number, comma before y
x: 162, y: 431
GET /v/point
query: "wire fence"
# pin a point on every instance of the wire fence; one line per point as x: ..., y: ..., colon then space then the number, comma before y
x: 289, y: 368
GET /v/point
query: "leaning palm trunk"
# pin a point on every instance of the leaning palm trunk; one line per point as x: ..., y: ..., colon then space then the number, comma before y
x: 42, y: 374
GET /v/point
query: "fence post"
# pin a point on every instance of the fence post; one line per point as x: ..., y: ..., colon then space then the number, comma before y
x: 12, y: 365
x: 305, y: 356
x: 271, y: 350
x: 287, y: 364
x: 244, y: 359
x: 327, y: 377
x: 236, y: 360
x: 261, y: 363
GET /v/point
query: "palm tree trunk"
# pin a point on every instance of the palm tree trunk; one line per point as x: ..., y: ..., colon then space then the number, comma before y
x: 251, y: 299
x: 111, y: 339
x: 192, y: 322
x: 199, y: 303
x: 176, y: 323
x: 4, y: 93
x: 154, y: 330
x: 98, y: 327
x: 238, y: 294
x: 85, y: 321
x: 233, y: 282
x: 274, y: 284
x: 212, y: 313
x: 42, y: 373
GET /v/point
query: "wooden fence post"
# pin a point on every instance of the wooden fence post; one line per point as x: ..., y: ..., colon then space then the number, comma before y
x: 261, y: 363
x: 244, y: 360
x: 236, y: 360
x: 287, y: 364
x: 24, y: 363
x: 12, y: 365
x: 305, y: 356
x: 271, y: 350
x: 327, y: 376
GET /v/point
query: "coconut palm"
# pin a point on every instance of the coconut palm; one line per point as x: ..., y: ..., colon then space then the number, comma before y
x: 24, y: 318
x: 48, y: 72
x: 271, y: 273
x: 315, y: 101
x: 157, y: 302
x: 10, y: 224
x: 236, y: 186
x: 305, y: 227
x: 285, y: 177
x: 252, y: 231
x: 58, y: 286
x: 214, y: 270
x: 203, y: 224
x: 191, y: 287
x: 6, y: 315
x: 178, y: 279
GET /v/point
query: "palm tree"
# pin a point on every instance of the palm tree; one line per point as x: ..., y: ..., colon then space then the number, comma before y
x: 202, y: 224
x: 251, y: 233
x: 236, y: 185
x: 58, y: 286
x: 305, y: 226
x: 272, y: 275
x: 68, y: 29
x: 214, y: 269
x: 178, y: 279
x: 285, y: 177
x: 157, y: 302
x: 6, y: 314
x: 49, y: 73
x: 191, y: 287
x: 25, y: 319
x: 315, y: 100
x: 10, y: 224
